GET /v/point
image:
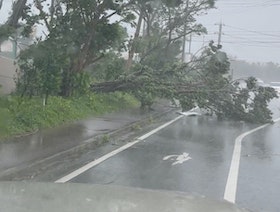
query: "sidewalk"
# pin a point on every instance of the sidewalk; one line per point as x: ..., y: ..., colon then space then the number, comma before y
x: 18, y: 153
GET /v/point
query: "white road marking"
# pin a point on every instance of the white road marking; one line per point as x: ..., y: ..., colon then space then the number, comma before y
x: 169, y: 156
x: 111, y: 154
x: 190, y: 113
x: 179, y: 158
x: 231, y: 186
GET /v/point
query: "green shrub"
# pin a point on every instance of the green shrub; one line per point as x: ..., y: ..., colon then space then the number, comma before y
x: 21, y: 115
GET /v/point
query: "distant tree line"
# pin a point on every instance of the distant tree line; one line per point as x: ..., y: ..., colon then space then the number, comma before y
x: 268, y: 72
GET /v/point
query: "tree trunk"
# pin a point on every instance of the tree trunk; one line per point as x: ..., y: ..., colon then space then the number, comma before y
x: 66, y: 88
x: 17, y: 13
x: 133, y: 45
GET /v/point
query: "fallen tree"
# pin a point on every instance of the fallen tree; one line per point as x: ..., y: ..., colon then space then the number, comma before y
x: 204, y: 82
x: 82, y: 49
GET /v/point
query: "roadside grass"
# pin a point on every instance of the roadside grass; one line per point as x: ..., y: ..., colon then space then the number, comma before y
x: 21, y: 115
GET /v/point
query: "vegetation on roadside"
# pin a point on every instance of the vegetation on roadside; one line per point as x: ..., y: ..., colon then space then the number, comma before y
x: 77, y: 67
x: 20, y: 115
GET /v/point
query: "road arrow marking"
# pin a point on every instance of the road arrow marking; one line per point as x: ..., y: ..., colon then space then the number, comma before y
x: 179, y: 159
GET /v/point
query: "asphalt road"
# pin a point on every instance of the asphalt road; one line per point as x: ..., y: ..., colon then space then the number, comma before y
x: 259, y: 178
x: 20, y: 152
x: 207, y: 142
x: 194, y: 155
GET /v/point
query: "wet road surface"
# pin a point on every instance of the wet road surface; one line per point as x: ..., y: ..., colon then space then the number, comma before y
x: 194, y: 155
x: 21, y: 151
x: 259, y: 178
x: 208, y: 142
x: 191, y: 155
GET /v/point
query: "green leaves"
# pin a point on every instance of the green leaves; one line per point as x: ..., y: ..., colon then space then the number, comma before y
x: 77, y: 38
x: 5, y: 32
x: 110, y: 67
x: 85, y: 42
x: 39, y: 71
x: 251, y: 83
x: 20, y: 115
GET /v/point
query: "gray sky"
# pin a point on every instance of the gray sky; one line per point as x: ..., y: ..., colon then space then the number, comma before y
x: 6, y: 7
x: 251, y: 29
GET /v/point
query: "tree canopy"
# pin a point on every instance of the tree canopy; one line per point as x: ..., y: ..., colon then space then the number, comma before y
x: 84, y: 42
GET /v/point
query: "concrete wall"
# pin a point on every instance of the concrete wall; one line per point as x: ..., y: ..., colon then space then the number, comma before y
x: 7, y: 73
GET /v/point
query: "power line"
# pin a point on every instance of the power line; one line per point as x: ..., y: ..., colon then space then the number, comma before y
x: 250, y: 4
x: 243, y: 44
x: 251, y: 40
x: 238, y: 7
x: 253, y: 31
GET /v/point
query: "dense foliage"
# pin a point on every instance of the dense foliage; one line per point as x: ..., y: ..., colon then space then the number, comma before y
x: 85, y: 39
x: 23, y: 115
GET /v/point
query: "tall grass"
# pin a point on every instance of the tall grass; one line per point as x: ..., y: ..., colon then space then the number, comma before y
x: 23, y: 115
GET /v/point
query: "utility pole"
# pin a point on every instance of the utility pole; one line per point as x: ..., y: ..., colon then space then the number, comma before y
x: 144, y: 28
x: 203, y: 41
x: 190, y: 47
x: 190, y: 44
x: 132, y: 49
x: 185, y: 34
x: 184, y: 44
x: 220, y: 33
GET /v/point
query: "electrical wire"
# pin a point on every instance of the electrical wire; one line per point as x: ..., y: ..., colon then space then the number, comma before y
x: 253, y: 31
x: 250, y: 3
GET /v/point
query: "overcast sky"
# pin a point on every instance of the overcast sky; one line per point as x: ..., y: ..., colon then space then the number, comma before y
x: 4, y: 11
x: 251, y: 28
